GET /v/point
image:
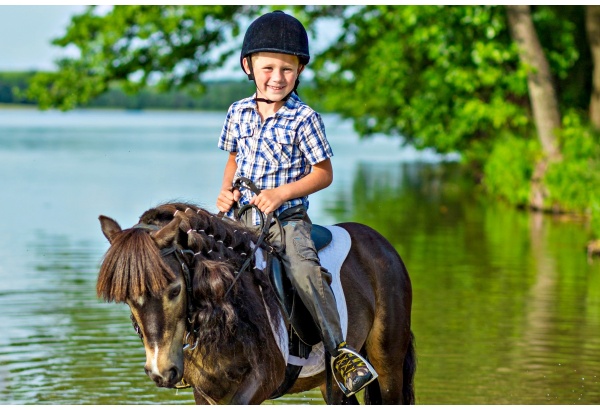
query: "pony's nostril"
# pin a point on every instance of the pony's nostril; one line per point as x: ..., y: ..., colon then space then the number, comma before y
x: 173, y: 375
x: 156, y: 378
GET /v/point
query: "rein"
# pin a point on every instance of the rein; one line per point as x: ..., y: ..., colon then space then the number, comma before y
x: 243, y: 182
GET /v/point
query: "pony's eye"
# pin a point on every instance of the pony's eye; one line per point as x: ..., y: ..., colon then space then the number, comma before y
x: 173, y: 293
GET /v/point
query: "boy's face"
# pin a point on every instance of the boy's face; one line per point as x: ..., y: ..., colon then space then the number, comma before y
x: 275, y: 74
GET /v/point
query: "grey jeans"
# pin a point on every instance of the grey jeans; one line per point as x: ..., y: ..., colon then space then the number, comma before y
x: 311, y: 281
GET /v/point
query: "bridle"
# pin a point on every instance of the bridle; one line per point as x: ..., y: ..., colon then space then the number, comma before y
x: 179, y: 253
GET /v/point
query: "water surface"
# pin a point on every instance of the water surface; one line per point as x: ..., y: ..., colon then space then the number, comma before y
x: 506, y: 306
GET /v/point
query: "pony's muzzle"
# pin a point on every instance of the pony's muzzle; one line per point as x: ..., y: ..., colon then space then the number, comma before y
x: 167, y: 379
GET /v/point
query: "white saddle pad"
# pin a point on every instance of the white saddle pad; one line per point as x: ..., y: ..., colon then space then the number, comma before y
x: 332, y: 257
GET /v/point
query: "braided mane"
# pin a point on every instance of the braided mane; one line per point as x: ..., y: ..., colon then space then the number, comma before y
x: 236, y: 319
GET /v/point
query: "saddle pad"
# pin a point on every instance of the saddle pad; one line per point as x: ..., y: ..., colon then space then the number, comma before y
x: 332, y: 257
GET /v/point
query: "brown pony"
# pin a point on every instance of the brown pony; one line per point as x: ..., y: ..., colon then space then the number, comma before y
x: 204, y: 325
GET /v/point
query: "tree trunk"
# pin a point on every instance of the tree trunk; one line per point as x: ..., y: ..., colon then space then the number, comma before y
x: 544, y: 101
x: 592, y: 25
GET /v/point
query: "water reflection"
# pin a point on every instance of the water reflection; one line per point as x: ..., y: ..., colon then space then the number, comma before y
x: 502, y: 298
x: 506, y: 308
x: 66, y: 346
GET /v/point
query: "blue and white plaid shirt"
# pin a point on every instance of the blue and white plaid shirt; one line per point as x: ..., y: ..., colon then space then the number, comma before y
x: 280, y: 151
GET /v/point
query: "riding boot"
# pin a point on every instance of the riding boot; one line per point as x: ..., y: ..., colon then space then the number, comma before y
x: 352, y: 372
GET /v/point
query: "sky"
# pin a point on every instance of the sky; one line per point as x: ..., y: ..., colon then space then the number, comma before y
x: 26, y: 33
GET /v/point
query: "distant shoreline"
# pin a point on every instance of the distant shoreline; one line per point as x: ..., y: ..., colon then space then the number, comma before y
x: 34, y: 107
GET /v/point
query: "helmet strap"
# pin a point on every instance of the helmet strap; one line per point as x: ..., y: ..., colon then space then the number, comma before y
x: 249, y: 61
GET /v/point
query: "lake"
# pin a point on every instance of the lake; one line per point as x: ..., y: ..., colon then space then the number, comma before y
x: 506, y: 306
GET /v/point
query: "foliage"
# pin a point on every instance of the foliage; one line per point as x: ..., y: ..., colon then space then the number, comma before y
x: 450, y: 86
x: 574, y: 182
x: 449, y: 78
x: 509, y: 168
x: 166, y: 46
x: 444, y: 77
x: 562, y: 33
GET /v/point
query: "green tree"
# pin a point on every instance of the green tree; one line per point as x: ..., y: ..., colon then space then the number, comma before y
x: 442, y: 77
x: 468, y: 79
x: 134, y: 46
x: 454, y: 78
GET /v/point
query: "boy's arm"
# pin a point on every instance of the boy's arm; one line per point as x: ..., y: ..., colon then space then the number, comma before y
x: 319, y: 178
x: 227, y: 197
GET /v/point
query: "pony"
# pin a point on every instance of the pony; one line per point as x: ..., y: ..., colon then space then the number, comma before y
x: 207, y: 324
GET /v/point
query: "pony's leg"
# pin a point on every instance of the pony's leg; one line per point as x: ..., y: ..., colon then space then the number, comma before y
x: 388, y: 345
x: 386, y: 351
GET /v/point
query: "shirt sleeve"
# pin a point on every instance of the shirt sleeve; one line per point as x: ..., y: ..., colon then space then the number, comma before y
x: 313, y: 142
x: 228, y: 140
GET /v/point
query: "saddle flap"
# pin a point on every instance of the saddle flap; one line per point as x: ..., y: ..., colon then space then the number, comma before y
x: 282, y: 286
x: 294, y: 309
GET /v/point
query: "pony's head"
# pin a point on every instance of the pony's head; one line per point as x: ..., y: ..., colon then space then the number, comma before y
x: 176, y: 270
x: 134, y: 272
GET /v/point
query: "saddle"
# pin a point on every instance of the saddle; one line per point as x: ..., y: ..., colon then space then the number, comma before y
x: 303, y: 333
x: 295, y: 311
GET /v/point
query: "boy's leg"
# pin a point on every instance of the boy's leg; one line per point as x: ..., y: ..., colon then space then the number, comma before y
x: 312, y: 282
x: 313, y: 285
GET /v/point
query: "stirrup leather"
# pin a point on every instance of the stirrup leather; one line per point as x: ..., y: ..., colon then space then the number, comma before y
x: 341, y: 384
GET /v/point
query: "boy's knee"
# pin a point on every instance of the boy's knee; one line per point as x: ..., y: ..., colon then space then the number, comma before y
x: 305, y: 249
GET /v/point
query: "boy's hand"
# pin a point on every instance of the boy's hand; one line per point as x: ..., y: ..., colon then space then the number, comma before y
x: 227, y: 198
x: 268, y: 200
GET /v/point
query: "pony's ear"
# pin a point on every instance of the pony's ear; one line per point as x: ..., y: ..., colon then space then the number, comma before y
x: 166, y: 235
x: 110, y: 227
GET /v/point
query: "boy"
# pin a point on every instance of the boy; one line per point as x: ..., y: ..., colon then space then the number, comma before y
x: 279, y: 143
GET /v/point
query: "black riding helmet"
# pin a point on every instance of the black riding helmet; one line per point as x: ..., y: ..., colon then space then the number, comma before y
x: 276, y: 32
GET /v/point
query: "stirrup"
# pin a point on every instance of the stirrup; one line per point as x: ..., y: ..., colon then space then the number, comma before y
x: 341, y: 384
